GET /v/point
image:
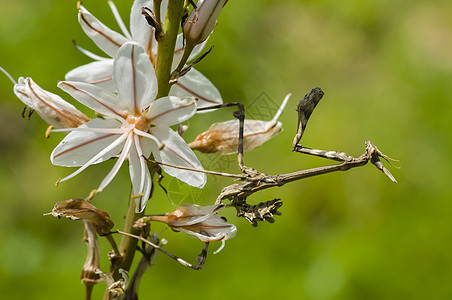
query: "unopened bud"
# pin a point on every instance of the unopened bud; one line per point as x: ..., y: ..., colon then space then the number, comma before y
x: 223, y: 137
x: 50, y: 107
x: 202, y: 20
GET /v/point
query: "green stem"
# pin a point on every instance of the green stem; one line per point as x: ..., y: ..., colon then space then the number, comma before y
x: 165, y: 49
x: 187, y: 51
x: 128, y: 245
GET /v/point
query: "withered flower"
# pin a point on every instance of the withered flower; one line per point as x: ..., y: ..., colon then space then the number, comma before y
x: 80, y: 209
x: 117, y: 288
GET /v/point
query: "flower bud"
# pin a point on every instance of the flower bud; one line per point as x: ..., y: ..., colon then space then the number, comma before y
x: 223, y: 137
x: 202, y: 20
x: 50, y: 107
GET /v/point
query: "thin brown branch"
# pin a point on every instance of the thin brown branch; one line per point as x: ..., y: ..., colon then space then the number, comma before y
x: 242, y: 190
x: 201, y: 257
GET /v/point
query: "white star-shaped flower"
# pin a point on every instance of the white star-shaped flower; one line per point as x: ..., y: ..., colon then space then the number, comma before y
x: 100, y: 72
x: 135, y: 126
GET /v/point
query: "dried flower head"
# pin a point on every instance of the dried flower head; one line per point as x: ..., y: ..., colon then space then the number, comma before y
x: 80, y: 209
x: 116, y: 289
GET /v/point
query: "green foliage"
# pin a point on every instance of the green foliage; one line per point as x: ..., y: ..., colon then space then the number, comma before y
x: 385, y: 68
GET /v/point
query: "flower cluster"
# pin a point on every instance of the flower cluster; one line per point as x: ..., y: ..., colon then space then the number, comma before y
x: 99, y: 72
x: 133, y: 123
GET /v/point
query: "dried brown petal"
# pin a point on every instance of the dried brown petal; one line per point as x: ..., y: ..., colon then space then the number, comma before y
x: 80, y: 209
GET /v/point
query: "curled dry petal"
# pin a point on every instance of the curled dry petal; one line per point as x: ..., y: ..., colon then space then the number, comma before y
x: 92, y: 262
x: 80, y: 209
x: 50, y: 107
x: 117, y: 288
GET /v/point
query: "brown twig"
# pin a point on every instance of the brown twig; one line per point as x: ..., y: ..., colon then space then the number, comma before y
x: 201, y: 257
x: 242, y: 190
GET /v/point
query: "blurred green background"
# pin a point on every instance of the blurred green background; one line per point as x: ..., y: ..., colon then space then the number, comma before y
x: 386, y: 69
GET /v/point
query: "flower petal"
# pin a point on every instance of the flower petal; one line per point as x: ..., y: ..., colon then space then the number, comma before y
x: 135, y: 77
x: 125, y: 150
x: 116, y: 143
x: 141, y: 31
x: 80, y: 209
x: 188, y: 214
x: 224, y: 231
x: 52, y: 108
x: 106, y: 39
x: 171, y: 110
x: 96, y: 98
x: 177, y: 152
x: 78, y: 147
x: 197, y: 85
x: 212, y: 229
x: 119, y: 20
x: 97, y: 72
x: 139, y: 172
